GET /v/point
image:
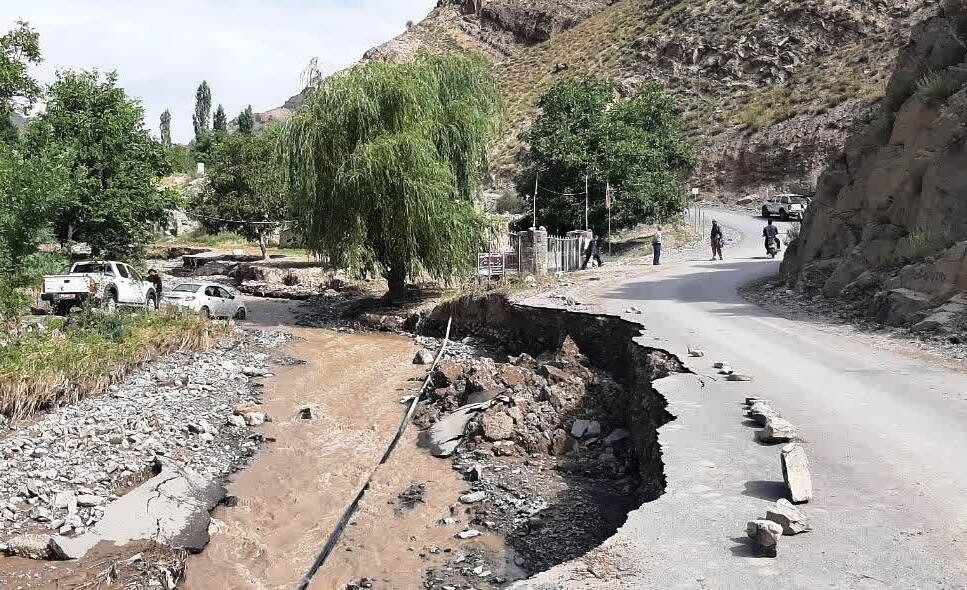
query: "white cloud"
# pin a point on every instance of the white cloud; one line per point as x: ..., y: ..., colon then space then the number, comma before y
x: 250, y: 52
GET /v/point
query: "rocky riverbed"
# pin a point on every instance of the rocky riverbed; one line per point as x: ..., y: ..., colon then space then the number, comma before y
x: 62, y: 468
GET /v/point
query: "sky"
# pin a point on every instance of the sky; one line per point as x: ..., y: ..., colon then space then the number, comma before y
x: 249, y: 51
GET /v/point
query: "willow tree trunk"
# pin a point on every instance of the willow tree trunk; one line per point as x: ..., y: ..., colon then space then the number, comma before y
x: 396, y: 277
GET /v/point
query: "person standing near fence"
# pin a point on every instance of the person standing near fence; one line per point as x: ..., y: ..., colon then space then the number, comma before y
x: 593, y: 251
x: 656, y: 246
x: 717, y: 239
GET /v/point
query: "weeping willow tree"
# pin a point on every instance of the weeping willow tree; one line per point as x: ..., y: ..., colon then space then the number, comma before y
x: 384, y: 160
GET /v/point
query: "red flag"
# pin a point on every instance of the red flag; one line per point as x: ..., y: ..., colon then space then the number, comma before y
x: 607, y: 197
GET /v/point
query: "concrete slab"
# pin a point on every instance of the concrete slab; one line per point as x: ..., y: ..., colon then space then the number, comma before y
x: 172, y: 508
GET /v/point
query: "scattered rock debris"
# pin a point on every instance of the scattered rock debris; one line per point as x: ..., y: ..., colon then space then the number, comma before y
x: 790, y: 518
x: 63, y: 469
x: 795, y: 472
x: 551, y: 465
x: 410, y: 497
x: 765, y: 534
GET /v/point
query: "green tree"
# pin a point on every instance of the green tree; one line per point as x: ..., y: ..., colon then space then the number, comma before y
x: 246, y: 120
x: 384, y: 162
x: 19, y: 48
x: 31, y: 190
x: 634, y: 144
x: 113, y: 163
x: 166, y: 128
x: 246, y: 183
x: 203, y: 109
x: 220, y: 123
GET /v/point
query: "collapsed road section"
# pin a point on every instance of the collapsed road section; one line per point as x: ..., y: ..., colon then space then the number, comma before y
x: 550, y: 421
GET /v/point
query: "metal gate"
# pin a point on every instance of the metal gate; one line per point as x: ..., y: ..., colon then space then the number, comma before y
x: 563, y: 254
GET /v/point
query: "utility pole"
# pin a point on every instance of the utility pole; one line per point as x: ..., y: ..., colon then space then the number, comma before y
x: 537, y: 176
x: 586, y: 226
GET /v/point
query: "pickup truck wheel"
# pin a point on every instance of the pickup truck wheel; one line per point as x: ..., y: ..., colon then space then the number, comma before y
x: 110, y: 302
x: 150, y: 303
x: 765, y: 212
x: 205, y: 312
x: 62, y: 309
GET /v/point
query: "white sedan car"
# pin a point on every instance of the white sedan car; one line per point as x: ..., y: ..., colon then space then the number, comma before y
x: 208, y: 299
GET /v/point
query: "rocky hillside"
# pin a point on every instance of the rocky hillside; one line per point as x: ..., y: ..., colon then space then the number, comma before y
x: 769, y: 89
x: 888, y: 230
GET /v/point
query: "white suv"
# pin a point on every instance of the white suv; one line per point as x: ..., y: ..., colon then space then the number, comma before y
x: 786, y: 206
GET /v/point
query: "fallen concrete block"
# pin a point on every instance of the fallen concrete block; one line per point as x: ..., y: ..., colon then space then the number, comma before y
x: 445, y: 435
x: 795, y: 472
x: 761, y: 411
x: 778, y: 430
x: 765, y: 534
x: 172, y: 508
x: 790, y: 518
x: 29, y: 546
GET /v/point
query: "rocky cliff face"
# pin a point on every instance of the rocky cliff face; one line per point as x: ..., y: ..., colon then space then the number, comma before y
x: 769, y: 89
x: 888, y: 229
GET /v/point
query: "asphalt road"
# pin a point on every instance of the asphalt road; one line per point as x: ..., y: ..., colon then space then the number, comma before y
x: 887, y: 443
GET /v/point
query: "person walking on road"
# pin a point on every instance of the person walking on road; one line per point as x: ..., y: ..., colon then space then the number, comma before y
x: 593, y: 251
x: 717, y: 240
x: 656, y: 246
x: 155, y: 279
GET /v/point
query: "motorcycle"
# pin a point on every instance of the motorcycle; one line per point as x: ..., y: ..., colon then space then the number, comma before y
x: 772, y: 247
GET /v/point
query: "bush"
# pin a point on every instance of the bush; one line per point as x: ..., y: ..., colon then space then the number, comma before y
x: 938, y: 86
x: 80, y: 357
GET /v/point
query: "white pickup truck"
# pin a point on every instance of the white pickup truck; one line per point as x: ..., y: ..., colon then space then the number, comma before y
x: 105, y: 283
x: 786, y: 206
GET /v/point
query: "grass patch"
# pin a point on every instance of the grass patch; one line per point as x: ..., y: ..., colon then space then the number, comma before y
x: 82, y: 355
x: 219, y: 240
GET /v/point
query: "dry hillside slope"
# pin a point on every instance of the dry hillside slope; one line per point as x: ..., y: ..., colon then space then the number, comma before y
x: 769, y: 88
x: 888, y: 230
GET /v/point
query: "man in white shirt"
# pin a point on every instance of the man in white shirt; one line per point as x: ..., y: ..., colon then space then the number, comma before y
x: 656, y: 246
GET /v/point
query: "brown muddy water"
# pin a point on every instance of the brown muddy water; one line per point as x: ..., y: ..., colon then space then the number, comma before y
x: 293, y: 495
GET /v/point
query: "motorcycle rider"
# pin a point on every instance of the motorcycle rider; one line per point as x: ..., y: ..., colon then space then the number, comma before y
x: 771, y: 232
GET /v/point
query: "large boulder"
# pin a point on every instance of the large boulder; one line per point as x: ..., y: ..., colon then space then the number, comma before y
x: 898, y: 306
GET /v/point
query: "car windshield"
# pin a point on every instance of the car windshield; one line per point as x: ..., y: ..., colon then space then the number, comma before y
x: 92, y: 268
x: 187, y: 288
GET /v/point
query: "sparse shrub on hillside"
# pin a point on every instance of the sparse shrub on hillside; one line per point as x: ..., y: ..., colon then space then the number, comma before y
x: 938, y: 86
x: 923, y: 241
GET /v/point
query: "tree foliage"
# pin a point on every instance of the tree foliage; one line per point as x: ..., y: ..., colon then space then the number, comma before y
x: 31, y: 189
x: 384, y: 160
x: 246, y: 120
x: 634, y: 144
x: 166, y: 128
x: 203, y: 108
x: 19, y: 49
x: 220, y: 122
x: 246, y: 183
x: 113, y: 162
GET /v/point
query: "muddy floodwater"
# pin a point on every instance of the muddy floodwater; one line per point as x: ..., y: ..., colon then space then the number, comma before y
x: 294, y: 493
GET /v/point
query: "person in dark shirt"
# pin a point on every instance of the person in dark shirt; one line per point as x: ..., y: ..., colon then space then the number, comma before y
x: 593, y: 251
x: 717, y: 240
x: 155, y: 279
x: 771, y: 232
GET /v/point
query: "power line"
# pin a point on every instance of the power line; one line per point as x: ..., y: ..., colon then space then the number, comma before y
x: 222, y: 219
